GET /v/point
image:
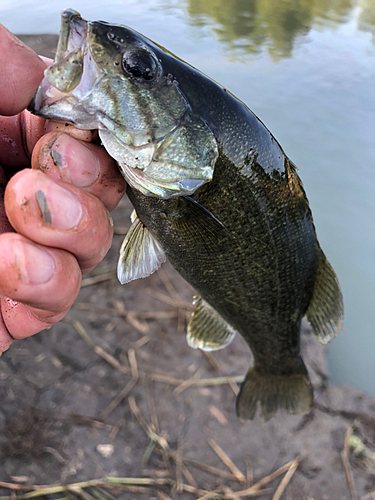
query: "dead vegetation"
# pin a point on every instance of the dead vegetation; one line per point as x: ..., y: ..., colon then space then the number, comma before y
x: 175, y: 473
x: 167, y: 468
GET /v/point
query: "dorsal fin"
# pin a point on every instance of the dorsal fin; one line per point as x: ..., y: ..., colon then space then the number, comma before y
x: 140, y: 253
x: 326, y: 310
x: 207, y: 330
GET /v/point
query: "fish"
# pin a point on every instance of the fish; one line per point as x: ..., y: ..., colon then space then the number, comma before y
x: 213, y: 192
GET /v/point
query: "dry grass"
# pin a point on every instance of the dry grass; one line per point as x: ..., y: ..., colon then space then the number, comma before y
x: 159, y: 486
x: 177, y: 476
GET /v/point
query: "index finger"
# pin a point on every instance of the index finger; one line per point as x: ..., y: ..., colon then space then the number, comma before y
x: 21, y: 71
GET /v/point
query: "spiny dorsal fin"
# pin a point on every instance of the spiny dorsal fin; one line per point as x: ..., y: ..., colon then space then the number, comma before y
x: 140, y: 253
x: 326, y: 310
x: 207, y: 330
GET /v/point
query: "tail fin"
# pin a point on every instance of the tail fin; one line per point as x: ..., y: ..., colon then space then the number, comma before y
x: 292, y: 394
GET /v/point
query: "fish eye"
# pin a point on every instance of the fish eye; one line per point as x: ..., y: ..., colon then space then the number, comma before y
x: 140, y: 64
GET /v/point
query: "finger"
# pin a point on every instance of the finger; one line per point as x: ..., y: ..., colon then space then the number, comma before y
x: 5, y: 338
x: 21, y: 321
x: 18, y: 319
x: 46, y: 280
x: 59, y: 215
x: 19, y: 133
x: 18, y: 136
x: 80, y: 164
x: 4, y: 223
x: 21, y: 72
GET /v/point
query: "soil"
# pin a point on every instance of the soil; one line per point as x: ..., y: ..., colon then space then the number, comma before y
x: 88, y: 398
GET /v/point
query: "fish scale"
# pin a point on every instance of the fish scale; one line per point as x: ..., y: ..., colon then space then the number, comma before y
x: 213, y: 192
x: 235, y: 265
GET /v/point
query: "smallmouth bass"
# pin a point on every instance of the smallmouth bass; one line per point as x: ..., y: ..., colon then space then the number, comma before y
x: 213, y: 192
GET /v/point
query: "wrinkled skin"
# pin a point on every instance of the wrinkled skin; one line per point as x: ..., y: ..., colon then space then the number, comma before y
x: 43, y: 255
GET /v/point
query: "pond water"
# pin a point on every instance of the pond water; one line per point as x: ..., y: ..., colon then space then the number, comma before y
x: 307, y: 69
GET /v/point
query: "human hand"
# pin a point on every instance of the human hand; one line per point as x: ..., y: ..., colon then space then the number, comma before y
x: 54, y: 219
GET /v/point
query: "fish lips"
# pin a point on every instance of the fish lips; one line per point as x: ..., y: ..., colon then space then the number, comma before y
x: 73, y: 32
x: 70, y: 78
x: 65, y: 74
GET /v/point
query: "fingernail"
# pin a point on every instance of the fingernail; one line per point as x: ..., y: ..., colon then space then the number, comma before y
x: 35, y: 265
x: 59, y: 207
x: 78, y: 165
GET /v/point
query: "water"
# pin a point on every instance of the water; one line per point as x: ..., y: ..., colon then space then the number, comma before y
x: 307, y: 69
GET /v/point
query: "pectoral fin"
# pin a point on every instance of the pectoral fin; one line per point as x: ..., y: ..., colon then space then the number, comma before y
x: 326, y: 310
x: 207, y: 330
x: 140, y: 253
x: 199, y: 226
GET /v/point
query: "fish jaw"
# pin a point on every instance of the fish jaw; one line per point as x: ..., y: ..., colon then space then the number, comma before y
x: 70, y: 79
x: 147, y: 126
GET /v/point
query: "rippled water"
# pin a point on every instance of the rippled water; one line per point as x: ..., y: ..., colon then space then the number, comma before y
x: 307, y: 69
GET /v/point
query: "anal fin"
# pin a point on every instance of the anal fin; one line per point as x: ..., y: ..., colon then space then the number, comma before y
x: 140, y: 253
x: 326, y: 310
x: 207, y: 330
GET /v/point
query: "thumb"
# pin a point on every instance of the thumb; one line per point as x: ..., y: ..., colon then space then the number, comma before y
x: 21, y: 71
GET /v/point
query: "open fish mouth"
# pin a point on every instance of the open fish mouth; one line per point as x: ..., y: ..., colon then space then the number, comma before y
x: 144, y: 121
x: 65, y: 79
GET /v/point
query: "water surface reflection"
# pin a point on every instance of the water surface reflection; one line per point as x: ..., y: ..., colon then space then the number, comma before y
x: 248, y: 26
